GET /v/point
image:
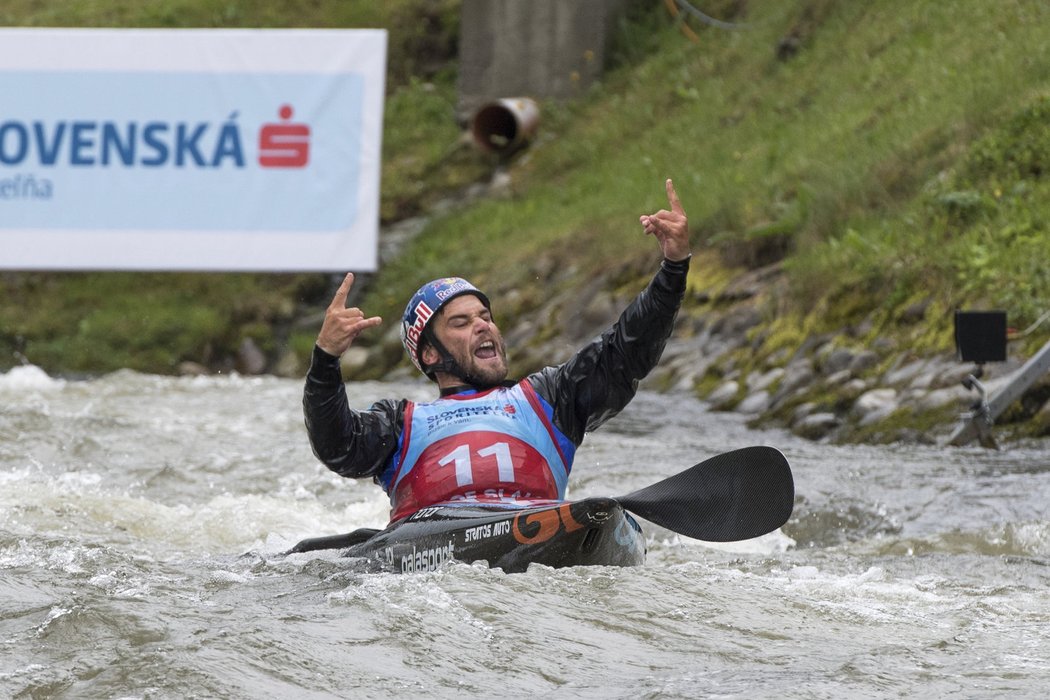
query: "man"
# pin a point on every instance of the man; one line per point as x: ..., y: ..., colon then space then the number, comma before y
x: 486, y: 439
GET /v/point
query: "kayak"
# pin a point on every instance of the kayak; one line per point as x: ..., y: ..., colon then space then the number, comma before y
x: 729, y: 497
x: 588, y: 532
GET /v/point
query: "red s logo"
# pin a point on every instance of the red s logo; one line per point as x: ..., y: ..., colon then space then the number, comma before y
x: 284, y: 145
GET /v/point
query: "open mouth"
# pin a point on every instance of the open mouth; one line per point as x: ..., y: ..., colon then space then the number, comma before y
x: 485, y: 351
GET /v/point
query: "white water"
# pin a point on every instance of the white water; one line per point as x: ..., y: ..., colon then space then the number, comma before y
x: 141, y: 520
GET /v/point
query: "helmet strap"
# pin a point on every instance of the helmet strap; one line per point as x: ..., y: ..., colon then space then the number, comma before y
x: 448, y: 364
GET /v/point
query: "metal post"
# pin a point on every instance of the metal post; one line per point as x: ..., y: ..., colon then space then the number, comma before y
x: 979, y: 421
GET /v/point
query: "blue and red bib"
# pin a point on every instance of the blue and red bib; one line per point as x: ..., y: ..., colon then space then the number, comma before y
x: 496, y: 446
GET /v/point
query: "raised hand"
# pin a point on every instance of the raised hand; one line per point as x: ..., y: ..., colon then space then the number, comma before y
x: 342, y: 325
x: 671, y: 228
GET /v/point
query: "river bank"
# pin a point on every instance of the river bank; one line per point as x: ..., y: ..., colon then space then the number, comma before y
x: 862, y: 383
x: 853, y: 385
x: 859, y: 384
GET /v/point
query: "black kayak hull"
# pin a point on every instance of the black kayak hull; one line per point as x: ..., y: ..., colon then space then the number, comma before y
x: 589, y: 532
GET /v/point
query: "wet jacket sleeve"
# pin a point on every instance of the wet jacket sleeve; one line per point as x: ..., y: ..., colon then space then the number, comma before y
x: 603, y: 377
x: 350, y: 443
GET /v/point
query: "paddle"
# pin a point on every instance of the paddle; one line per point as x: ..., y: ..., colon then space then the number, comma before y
x: 312, y: 544
x: 732, y: 496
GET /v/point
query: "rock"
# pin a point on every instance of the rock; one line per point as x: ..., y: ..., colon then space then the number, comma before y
x: 289, y: 365
x: 737, y: 322
x: 192, y: 369
x: 840, y: 377
x: 751, y: 283
x: 787, y: 47
x: 923, y: 380
x: 587, y: 313
x: 836, y: 361
x: 816, y: 426
x: 932, y: 400
x: 853, y: 388
x: 864, y: 361
x: 780, y: 357
x: 914, y: 437
x: 396, y: 236
x: 875, y: 405
x: 1044, y: 412
x: 724, y: 397
x: 521, y: 334
x: 755, y: 403
x: 764, y: 380
x: 903, y: 373
x: 1042, y: 418
x: 933, y: 374
x: 250, y: 359
x: 950, y: 376
x: 797, y: 374
x: 875, y: 399
x: 803, y: 410
x: 915, y: 312
x: 685, y: 381
x: 883, y: 345
x: 812, y: 345
x: 861, y: 329
x: 353, y: 360
x: 797, y: 377
x: 601, y: 312
x: 501, y: 184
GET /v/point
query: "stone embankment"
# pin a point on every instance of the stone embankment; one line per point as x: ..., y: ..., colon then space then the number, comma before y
x: 831, y: 386
x: 825, y: 391
x: 829, y: 389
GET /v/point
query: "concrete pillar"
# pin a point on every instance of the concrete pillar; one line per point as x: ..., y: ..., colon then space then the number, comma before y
x: 531, y: 48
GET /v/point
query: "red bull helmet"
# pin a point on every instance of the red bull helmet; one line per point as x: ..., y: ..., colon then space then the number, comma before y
x: 424, y: 304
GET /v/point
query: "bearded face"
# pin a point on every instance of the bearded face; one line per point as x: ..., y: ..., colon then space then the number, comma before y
x: 464, y: 326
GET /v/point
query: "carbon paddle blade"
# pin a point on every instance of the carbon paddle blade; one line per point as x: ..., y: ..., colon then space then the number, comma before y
x: 729, y: 497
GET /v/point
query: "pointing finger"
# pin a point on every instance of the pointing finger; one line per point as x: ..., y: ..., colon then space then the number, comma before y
x: 339, y: 300
x: 672, y: 197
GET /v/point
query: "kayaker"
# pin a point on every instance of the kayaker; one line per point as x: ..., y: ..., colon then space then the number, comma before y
x: 485, y: 438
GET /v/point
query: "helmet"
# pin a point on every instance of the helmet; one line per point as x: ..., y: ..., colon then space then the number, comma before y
x: 424, y: 304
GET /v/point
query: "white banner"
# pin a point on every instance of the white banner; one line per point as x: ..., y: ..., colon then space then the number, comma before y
x: 190, y: 149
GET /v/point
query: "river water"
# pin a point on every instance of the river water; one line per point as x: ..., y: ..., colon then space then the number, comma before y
x: 142, y: 520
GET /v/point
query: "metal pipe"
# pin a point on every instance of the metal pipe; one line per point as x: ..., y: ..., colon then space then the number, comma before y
x: 505, y: 124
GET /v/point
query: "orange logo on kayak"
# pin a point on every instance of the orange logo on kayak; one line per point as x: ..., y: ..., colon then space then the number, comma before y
x: 549, y: 523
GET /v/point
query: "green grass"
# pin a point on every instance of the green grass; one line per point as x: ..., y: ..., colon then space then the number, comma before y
x: 841, y: 159
x: 148, y: 322
x: 900, y: 154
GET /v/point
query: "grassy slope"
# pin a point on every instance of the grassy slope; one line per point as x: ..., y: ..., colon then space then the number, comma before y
x: 840, y: 155
x: 899, y: 155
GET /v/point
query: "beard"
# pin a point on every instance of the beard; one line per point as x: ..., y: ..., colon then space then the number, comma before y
x: 484, y: 372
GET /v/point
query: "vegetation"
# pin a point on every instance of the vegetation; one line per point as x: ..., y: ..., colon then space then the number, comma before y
x: 886, y: 153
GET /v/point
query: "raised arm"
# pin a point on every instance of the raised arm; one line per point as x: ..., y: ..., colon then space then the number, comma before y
x: 600, y: 379
x: 351, y: 443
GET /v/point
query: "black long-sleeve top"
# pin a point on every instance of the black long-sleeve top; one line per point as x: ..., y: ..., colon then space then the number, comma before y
x: 585, y: 391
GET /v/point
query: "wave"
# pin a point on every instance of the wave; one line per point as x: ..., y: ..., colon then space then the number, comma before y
x: 28, y: 378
